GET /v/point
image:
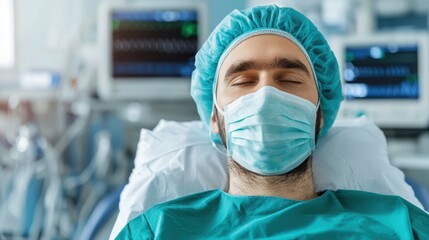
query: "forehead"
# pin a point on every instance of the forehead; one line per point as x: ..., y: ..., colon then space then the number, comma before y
x: 263, y: 48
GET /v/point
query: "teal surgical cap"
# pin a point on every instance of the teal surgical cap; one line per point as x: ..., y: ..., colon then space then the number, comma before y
x: 267, y: 19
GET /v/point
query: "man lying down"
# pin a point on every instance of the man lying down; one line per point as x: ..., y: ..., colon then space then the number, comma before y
x: 268, y: 87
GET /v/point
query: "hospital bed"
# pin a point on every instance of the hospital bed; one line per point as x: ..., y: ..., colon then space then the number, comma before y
x: 168, y: 165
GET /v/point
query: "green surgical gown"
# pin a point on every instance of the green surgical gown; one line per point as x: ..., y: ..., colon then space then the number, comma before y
x: 341, y: 214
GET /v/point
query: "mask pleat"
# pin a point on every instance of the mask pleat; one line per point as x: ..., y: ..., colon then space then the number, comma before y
x: 268, y: 136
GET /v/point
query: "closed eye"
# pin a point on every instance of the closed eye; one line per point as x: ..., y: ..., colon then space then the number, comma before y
x: 243, y: 80
x: 242, y: 83
x: 289, y: 76
x: 290, y: 81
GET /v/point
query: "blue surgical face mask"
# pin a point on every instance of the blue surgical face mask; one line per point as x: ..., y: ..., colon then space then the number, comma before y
x: 270, y: 132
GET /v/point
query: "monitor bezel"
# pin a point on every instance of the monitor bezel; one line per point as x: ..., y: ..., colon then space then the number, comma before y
x: 9, y: 76
x: 389, y: 113
x: 149, y: 88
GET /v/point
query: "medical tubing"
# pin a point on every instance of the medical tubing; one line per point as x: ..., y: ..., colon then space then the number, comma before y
x: 102, y: 156
x: 74, y: 130
x: 1, y: 196
x: 220, y: 148
x: 75, y: 181
x: 2, y: 178
x: 53, y: 191
x: 100, y: 159
x: 98, y: 166
x: 37, y: 224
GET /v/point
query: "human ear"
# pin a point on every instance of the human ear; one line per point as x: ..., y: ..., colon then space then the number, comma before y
x: 213, y: 123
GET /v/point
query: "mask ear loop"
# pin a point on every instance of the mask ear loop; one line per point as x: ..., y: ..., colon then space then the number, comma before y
x: 218, y: 146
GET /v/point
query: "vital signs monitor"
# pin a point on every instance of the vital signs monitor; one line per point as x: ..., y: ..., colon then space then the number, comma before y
x: 385, y: 77
x: 147, y: 49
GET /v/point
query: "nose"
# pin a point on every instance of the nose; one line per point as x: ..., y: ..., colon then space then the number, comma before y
x: 266, y: 78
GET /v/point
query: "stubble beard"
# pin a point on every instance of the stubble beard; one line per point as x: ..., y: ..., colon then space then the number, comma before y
x: 304, y: 170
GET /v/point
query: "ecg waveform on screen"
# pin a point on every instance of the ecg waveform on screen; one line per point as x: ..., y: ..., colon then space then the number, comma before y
x: 187, y: 29
x: 378, y: 71
x: 169, y: 46
x: 402, y: 90
x: 153, y: 68
x: 156, y: 43
x: 382, y: 72
x: 364, y: 53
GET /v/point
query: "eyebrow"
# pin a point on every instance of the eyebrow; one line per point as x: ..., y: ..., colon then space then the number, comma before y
x: 276, y: 63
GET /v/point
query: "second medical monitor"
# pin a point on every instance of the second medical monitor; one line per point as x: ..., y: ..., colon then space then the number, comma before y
x: 385, y: 77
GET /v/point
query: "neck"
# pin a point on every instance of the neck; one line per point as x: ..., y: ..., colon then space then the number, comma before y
x: 296, y: 185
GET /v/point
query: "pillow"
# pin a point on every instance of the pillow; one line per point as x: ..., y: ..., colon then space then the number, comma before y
x: 177, y: 159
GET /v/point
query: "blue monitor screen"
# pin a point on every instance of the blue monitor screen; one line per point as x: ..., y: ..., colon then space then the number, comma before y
x: 381, y: 72
x: 158, y: 43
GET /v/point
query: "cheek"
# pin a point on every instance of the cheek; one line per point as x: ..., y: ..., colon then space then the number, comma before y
x: 314, y: 98
x: 309, y: 94
x: 226, y: 95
